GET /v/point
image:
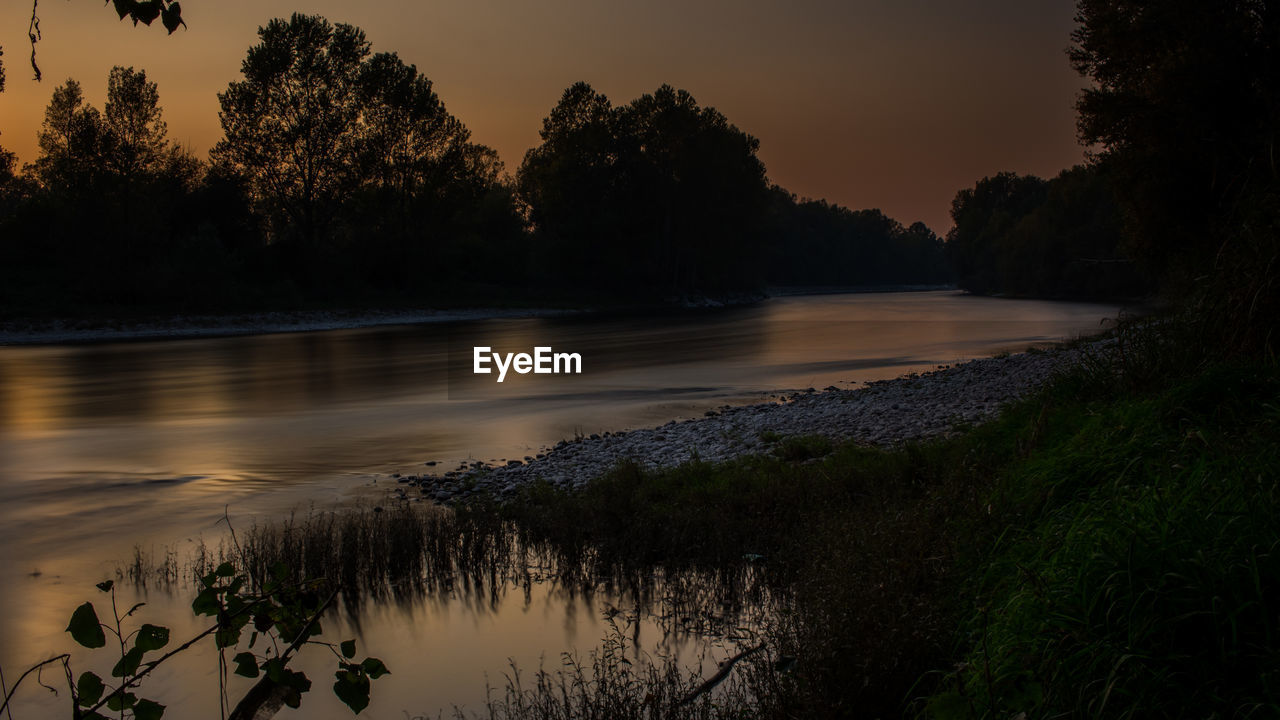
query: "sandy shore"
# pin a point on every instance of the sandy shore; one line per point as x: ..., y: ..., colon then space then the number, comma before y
x: 882, y: 413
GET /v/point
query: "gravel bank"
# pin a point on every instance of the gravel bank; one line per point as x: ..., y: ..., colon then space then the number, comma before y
x: 881, y: 413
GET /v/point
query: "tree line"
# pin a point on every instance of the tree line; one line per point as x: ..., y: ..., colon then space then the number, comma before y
x: 342, y: 177
x: 1026, y: 236
x: 1181, y: 193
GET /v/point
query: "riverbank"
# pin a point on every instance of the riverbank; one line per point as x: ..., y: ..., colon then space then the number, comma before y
x: 883, y: 413
x: 49, y: 332
x: 108, y: 328
x: 1104, y: 546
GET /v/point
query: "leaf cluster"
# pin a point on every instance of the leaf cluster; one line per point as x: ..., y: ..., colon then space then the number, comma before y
x: 146, y: 11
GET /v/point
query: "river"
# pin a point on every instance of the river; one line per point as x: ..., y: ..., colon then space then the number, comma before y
x: 105, y: 447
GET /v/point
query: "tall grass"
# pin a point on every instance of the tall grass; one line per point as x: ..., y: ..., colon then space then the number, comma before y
x: 1105, y: 548
x: 1138, y: 574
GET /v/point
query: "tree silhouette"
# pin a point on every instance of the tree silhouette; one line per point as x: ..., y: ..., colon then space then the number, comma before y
x: 133, y: 117
x: 661, y: 189
x: 1021, y: 235
x: 7, y: 159
x: 72, y: 141
x: 1185, y: 103
x: 357, y: 167
x: 288, y: 124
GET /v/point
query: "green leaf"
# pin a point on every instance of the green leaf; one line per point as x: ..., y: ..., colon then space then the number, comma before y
x: 374, y: 668
x: 275, y: 670
x: 85, y: 628
x: 225, y: 570
x: 206, y: 603
x: 297, y: 680
x: 151, y: 637
x: 146, y: 11
x: 106, y: 585
x: 348, y: 649
x: 89, y: 689
x: 246, y: 665
x: 148, y: 710
x: 227, y: 637
x: 172, y: 17
x: 292, y: 698
x: 353, y: 690
x: 119, y: 702
x: 124, y: 7
x: 128, y: 665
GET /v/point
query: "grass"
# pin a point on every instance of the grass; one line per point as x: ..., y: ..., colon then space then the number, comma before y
x: 1139, y: 574
x: 1105, y: 548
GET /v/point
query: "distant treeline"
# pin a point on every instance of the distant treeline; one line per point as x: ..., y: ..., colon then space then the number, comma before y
x: 1021, y: 235
x: 342, y: 178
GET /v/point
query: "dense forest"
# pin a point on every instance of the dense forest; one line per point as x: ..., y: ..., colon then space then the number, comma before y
x: 370, y: 192
x: 1022, y: 235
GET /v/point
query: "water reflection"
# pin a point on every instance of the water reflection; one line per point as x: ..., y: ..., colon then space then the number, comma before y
x: 108, y: 446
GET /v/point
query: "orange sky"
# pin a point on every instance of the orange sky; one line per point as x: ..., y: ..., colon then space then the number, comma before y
x: 894, y: 104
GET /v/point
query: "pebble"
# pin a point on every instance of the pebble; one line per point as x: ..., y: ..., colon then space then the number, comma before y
x: 884, y: 412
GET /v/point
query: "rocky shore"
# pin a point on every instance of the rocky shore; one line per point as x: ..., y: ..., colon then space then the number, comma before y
x: 881, y: 413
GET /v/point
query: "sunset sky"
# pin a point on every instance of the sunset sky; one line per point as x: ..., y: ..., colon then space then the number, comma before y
x: 894, y: 104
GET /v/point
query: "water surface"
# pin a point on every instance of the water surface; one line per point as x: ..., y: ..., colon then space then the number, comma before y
x: 111, y: 445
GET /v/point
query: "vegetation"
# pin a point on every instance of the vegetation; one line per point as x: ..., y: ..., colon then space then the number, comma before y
x: 284, y: 614
x: 1059, y: 238
x: 1106, y: 548
x: 370, y: 193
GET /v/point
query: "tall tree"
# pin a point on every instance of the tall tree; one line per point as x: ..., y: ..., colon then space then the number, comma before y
x: 1185, y: 103
x: 7, y: 159
x: 134, y: 120
x: 662, y: 190
x: 571, y: 186
x: 71, y: 140
x: 287, y: 124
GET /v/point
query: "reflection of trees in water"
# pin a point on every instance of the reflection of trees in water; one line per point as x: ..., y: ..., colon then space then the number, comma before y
x: 411, y: 554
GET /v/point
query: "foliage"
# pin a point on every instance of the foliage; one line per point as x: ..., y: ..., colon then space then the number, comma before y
x: 1021, y: 235
x: 289, y: 123
x: 1193, y: 146
x: 146, y: 12
x: 353, y: 157
x: 662, y: 187
x: 282, y: 612
x: 1188, y: 137
x: 813, y: 242
x: 1138, y: 573
x: 343, y: 179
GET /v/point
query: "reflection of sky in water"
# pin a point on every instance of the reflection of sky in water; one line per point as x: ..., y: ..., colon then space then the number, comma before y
x: 110, y: 445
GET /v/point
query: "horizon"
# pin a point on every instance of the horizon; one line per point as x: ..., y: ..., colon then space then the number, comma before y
x: 898, y: 107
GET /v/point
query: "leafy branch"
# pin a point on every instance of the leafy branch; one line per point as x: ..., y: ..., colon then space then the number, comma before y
x: 283, y: 611
x: 140, y: 11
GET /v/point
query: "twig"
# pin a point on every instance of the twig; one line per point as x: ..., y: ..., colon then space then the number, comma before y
x: 63, y: 658
x: 4, y: 688
x: 725, y: 668
x: 33, y: 32
x: 266, y: 696
x: 133, y: 682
